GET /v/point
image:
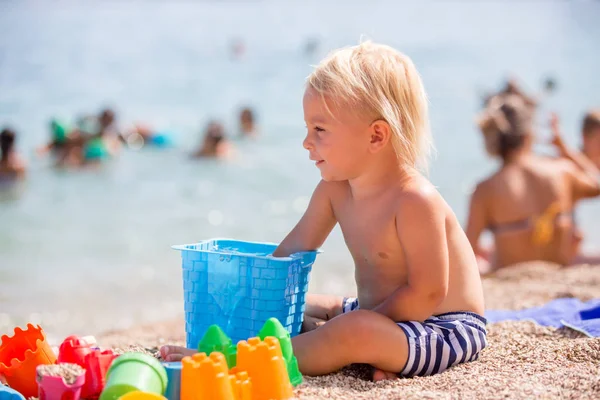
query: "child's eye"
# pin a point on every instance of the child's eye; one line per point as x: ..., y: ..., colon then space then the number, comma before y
x: 319, y: 129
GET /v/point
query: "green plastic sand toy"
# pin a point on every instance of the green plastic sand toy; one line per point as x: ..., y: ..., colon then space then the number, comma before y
x: 134, y: 372
x: 274, y: 328
x: 215, y: 339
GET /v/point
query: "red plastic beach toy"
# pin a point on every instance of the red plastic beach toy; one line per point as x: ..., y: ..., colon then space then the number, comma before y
x: 96, y: 365
x: 79, y: 351
x: 20, y: 355
x: 73, y: 350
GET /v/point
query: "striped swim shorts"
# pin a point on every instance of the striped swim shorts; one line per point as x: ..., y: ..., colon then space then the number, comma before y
x: 440, y: 342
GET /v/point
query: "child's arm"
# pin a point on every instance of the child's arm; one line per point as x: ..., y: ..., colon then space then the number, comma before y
x: 421, y: 228
x: 314, y: 226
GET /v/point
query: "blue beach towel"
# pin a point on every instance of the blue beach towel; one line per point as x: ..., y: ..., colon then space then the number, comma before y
x: 581, y: 316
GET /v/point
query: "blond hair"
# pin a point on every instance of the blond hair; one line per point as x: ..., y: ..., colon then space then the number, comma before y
x: 383, y: 84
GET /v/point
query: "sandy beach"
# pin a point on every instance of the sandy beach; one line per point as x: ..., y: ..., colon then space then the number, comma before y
x: 523, y: 360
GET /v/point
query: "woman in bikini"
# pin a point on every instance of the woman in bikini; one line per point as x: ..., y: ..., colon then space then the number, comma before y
x: 527, y: 204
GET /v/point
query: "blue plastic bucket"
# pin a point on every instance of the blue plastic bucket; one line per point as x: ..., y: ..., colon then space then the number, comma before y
x: 238, y: 285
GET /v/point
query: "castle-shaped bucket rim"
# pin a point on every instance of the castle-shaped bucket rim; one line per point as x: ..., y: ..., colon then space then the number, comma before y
x: 294, y: 256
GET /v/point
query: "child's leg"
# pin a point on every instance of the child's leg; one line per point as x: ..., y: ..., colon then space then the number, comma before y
x: 319, y: 309
x: 361, y: 336
x: 323, y: 306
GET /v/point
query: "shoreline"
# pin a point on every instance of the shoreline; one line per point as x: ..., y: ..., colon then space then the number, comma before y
x: 523, y: 359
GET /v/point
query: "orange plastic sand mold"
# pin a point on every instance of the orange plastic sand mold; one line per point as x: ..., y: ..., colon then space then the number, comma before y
x: 260, y: 374
x: 264, y: 363
x: 20, y: 355
x: 205, y: 378
x: 240, y: 384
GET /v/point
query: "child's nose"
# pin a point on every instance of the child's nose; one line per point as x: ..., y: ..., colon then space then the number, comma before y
x: 308, y: 143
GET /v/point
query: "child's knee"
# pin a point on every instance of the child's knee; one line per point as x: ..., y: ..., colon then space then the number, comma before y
x: 362, y: 324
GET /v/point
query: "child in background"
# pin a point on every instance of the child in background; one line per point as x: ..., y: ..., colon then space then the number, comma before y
x: 214, y: 143
x: 93, y: 139
x: 420, y: 302
x: 247, y: 123
x: 12, y: 167
x: 59, y: 132
x: 65, y: 144
x: 104, y: 142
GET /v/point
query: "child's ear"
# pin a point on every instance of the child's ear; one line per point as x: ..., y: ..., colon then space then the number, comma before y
x: 380, y: 135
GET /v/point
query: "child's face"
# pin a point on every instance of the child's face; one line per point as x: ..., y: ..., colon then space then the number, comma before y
x: 338, y: 143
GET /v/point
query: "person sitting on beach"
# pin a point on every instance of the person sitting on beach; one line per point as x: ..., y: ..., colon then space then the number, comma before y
x: 247, y: 123
x: 12, y: 167
x: 590, y: 132
x: 528, y: 203
x: 420, y: 300
x: 590, y: 155
x: 511, y: 88
x: 214, y: 143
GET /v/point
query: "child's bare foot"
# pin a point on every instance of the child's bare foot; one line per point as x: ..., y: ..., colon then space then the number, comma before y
x: 311, y: 323
x: 175, y: 353
x: 380, y: 375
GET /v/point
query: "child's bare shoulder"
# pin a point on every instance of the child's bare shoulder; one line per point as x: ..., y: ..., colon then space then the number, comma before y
x: 332, y: 189
x: 418, y: 198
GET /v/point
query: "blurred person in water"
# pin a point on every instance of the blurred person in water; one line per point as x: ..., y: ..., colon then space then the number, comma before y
x: 248, y: 123
x: 214, y: 143
x: 12, y: 166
